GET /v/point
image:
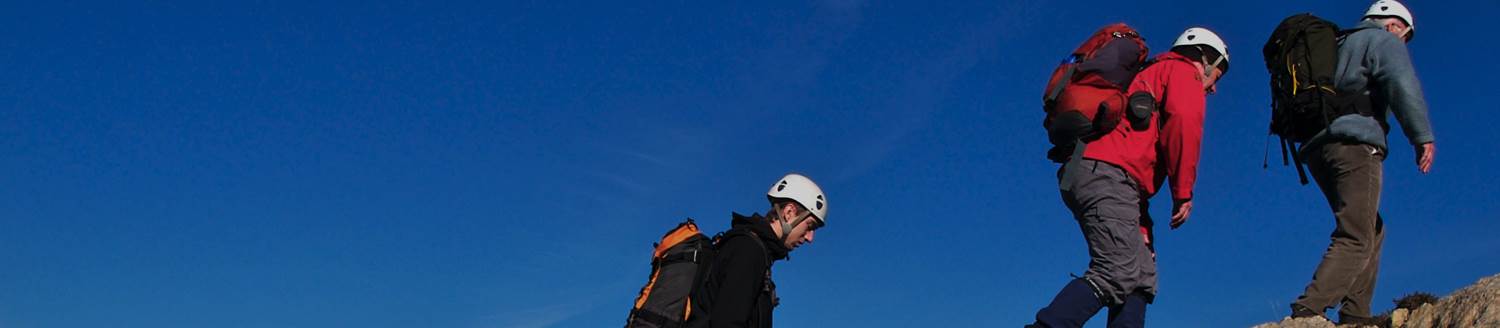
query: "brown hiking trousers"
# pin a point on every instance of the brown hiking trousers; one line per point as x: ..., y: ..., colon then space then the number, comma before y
x: 1350, y: 176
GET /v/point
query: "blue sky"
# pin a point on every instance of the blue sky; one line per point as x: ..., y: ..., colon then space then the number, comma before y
x: 508, y: 164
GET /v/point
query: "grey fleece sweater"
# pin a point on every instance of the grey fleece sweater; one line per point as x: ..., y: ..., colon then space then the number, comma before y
x: 1376, y: 63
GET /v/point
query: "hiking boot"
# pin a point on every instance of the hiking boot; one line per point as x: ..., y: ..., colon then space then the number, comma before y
x: 1299, y: 311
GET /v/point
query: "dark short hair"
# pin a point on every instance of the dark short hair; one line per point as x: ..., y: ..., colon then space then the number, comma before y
x: 1201, y: 52
x: 778, y: 203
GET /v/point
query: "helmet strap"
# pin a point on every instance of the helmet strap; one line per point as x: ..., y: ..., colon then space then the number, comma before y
x: 786, y: 226
x: 1203, y: 58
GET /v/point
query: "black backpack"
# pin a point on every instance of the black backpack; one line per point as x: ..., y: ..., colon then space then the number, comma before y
x: 682, y: 260
x: 1301, y: 56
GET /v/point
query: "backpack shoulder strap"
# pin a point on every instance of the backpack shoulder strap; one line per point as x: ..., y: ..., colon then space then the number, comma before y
x: 768, y: 287
x: 724, y: 237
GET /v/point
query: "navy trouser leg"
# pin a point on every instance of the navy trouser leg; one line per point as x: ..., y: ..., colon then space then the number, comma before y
x: 1071, y: 308
x: 1131, y: 314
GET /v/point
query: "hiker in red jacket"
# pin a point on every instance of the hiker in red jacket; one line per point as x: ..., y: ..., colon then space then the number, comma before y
x: 1108, y: 189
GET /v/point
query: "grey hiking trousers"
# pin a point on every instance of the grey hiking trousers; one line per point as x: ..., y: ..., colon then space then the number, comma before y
x: 1350, y: 176
x: 1111, y: 212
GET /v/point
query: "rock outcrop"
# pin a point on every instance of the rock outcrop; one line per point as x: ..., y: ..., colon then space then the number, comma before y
x: 1477, y: 305
x: 1314, y: 322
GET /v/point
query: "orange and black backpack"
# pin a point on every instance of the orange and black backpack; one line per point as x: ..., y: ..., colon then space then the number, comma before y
x: 678, y: 265
x: 1085, y: 98
x: 681, y: 262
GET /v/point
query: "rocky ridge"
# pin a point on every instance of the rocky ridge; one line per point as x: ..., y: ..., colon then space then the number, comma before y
x: 1477, y: 305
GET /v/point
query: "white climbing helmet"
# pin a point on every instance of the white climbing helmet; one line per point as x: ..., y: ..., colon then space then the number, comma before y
x: 802, y: 190
x: 1392, y: 8
x: 1202, y: 36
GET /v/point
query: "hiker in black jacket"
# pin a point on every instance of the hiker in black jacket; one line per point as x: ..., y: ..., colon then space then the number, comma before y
x: 738, y: 286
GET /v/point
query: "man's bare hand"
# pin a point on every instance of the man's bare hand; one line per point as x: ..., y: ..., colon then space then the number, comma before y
x: 1180, y: 212
x: 1425, y: 153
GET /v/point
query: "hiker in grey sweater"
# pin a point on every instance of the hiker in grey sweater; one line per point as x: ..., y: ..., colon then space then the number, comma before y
x: 1346, y: 159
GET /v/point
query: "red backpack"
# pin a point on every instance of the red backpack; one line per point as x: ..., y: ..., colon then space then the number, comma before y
x: 1085, y: 97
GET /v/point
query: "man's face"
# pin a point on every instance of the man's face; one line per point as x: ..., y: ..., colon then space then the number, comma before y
x: 1211, y: 79
x: 1398, y: 28
x: 802, y: 233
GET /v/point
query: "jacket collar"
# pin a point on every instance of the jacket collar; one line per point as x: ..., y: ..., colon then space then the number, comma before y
x: 762, y: 228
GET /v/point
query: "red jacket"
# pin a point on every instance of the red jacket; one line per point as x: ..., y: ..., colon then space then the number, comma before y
x: 1169, y: 146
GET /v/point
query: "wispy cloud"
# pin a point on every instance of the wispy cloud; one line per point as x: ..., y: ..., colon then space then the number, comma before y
x: 784, y: 73
x: 620, y: 173
x: 642, y: 156
x: 621, y: 182
x: 847, y: 7
x: 924, y: 88
x: 538, y: 317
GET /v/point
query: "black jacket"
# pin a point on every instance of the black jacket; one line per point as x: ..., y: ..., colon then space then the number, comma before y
x: 738, y: 285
